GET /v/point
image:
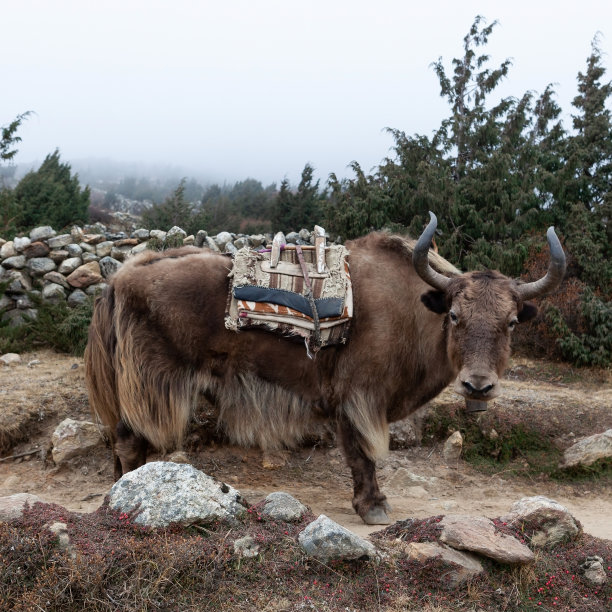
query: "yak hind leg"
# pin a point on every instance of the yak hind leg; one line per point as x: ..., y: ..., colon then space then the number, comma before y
x: 129, y: 450
x: 368, y: 501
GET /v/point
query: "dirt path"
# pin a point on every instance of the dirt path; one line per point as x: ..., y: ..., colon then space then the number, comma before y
x: 44, y: 393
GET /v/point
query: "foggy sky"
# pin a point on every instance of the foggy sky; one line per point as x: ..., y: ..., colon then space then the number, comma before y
x: 257, y: 88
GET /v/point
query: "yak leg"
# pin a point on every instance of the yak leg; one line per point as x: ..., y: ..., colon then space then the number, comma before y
x: 130, y: 450
x: 369, y: 503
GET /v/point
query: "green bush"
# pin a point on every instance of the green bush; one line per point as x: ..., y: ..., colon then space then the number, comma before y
x: 593, y: 346
x: 56, y: 326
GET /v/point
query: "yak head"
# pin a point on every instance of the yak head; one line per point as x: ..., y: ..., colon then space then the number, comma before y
x: 481, y: 310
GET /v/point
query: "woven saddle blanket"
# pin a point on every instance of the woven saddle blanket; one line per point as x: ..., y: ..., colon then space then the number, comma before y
x: 274, y: 295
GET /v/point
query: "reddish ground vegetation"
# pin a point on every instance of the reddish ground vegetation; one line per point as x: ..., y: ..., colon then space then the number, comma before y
x: 115, y: 564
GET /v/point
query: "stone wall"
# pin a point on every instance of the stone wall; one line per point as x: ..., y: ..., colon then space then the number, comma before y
x: 69, y: 267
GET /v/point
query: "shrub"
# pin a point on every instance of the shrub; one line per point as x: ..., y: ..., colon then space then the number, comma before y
x: 592, y: 347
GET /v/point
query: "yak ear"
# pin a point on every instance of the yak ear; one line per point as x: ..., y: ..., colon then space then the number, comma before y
x: 435, y: 301
x: 528, y: 312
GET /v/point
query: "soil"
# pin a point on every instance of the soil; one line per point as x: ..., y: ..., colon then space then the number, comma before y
x: 46, y: 388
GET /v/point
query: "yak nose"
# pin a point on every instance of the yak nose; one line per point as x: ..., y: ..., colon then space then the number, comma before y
x: 478, y: 386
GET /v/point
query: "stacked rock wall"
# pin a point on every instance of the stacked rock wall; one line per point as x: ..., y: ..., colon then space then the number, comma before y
x: 69, y: 267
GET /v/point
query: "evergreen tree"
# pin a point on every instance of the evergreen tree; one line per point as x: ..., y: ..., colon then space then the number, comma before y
x: 9, y: 209
x: 584, y: 195
x: 175, y: 210
x: 51, y: 196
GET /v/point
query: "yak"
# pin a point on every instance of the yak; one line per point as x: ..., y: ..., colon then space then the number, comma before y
x: 157, y: 340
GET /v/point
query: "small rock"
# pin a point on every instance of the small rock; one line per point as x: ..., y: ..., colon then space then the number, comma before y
x: 588, y: 450
x: 462, y: 566
x: 402, y: 435
x: 61, y: 531
x: 12, y: 506
x: 7, y: 250
x: 36, y: 249
x: 246, y: 547
x: 74, y: 250
x: 283, y: 507
x: 57, y: 242
x: 38, y: 266
x: 139, y: 248
x: 92, y: 239
x: 325, y: 540
x: 21, y: 244
x: 16, y: 262
x: 59, y: 256
x: 76, y: 298
x: 96, y: 288
x: 554, y: 523
x: 452, y: 449
x: 18, y: 282
x: 211, y: 244
x: 108, y: 266
x: 200, y: 238
x: 478, y: 534
x: 53, y: 292
x: 593, y: 570
x: 42, y: 233
x: 104, y: 248
x: 257, y: 240
x: 222, y: 239
x: 141, y: 233
x: 10, y: 359
x: 73, y: 438
x: 176, y: 231
x: 85, y: 275
x: 57, y: 278
x: 69, y: 265
x: 178, y: 457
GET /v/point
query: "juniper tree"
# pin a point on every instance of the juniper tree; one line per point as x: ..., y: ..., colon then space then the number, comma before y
x: 51, y: 195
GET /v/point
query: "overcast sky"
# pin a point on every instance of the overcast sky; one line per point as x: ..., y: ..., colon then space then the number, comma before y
x: 256, y: 88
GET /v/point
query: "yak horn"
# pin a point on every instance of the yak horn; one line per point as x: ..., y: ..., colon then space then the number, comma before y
x: 554, y: 275
x: 420, y: 257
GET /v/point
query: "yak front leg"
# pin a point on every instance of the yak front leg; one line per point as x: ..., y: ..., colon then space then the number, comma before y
x: 369, y: 503
x: 129, y: 449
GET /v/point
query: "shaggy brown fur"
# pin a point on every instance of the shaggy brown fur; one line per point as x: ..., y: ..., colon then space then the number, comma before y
x: 157, y: 339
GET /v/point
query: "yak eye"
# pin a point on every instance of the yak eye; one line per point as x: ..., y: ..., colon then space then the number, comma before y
x: 512, y: 323
x: 453, y: 317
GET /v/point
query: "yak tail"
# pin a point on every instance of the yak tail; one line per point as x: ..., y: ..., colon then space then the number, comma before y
x: 128, y: 378
x: 370, y: 422
x: 99, y: 361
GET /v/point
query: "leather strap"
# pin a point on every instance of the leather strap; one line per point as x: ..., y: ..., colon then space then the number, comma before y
x: 310, y: 297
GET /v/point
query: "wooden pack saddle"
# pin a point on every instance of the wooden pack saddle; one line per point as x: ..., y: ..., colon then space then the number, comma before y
x: 299, y: 292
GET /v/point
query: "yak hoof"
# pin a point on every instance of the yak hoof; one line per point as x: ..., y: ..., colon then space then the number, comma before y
x: 376, y: 516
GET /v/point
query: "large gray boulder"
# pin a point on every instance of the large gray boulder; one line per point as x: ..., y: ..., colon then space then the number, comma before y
x: 325, y: 540
x: 165, y: 493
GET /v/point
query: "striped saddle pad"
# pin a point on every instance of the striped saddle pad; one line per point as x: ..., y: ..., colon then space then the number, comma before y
x: 274, y: 298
